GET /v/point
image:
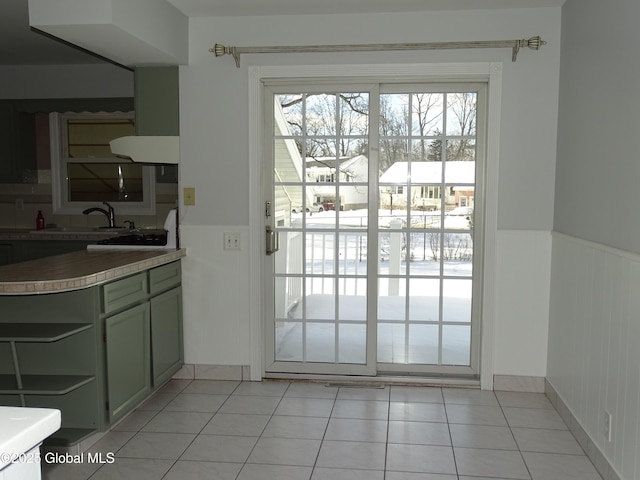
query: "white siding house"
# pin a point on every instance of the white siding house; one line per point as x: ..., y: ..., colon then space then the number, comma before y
x: 426, y: 179
x: 322, y: 176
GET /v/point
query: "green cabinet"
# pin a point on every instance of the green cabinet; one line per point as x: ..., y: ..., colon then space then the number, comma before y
x: 143, y: 326
x: 94, y: 353
x: 166, y: 335
x: 128, y: 359
x: 167, y: 351
x: 157, y: 106
x: 125, y: 292
x: 8, y: 160
x: 17, y: 143
x: 50, y: 356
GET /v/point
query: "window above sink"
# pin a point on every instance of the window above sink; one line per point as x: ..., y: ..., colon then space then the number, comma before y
x: 86, y: 173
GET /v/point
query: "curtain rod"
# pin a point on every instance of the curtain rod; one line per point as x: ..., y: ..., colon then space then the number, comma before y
x: 533, y: 43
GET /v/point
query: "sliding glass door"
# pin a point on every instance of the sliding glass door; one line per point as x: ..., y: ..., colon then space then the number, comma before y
x: 372, y: 191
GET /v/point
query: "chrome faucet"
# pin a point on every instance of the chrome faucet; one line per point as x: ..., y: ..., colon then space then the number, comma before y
x: 110, y: 214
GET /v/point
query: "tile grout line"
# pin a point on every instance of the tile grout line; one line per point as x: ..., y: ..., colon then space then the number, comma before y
x: 524, y: 462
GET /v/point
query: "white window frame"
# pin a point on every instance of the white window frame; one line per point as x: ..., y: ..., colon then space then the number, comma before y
x: 60, y: 182
x: 475, y: 71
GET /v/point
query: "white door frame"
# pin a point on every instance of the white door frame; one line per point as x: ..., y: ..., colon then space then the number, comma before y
x: 483, y: 71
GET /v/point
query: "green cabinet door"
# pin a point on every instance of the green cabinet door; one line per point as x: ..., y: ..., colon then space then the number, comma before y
x: 166, y: 335
x: 128, y: 359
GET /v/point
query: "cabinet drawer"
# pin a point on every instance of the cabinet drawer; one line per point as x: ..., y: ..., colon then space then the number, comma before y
x: 128, y: 291
x: 164, y: 277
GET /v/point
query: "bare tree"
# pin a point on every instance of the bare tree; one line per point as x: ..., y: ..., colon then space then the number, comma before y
x: 392, y: 127
x: 427, y: 113
x: 461, y: 109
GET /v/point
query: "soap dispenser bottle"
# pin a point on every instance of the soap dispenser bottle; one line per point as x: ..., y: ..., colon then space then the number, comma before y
x: 40, y: 221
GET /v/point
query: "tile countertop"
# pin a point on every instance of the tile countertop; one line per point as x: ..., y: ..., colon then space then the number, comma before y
x: 77, y: 270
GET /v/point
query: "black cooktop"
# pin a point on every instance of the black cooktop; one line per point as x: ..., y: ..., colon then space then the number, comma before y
x: 151, y: 238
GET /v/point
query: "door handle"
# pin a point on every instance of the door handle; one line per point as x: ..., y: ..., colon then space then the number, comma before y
x: 273, y: 241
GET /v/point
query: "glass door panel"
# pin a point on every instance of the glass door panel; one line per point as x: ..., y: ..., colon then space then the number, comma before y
x: 405, y: 195
x: 425, y: 262
x: 320, y: 182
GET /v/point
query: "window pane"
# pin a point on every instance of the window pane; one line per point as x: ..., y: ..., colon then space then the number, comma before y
x: 456, y: 344
x: 353, y: 343
x: 291, y: 107
x: 392, y: 343
x: 90, y: 138
x: 97, y: 182
x: 320, y: 342
x: 461, y: 113
x: 426, y: 114
x: 320, y: 114
x: 424, y: 300
x: 288, y: 341
x: 423, y: 344
x: 456, y: 301
x: 354, y: 114
x: 462, y: 150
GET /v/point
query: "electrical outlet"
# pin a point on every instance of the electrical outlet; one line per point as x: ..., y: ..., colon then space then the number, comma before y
x: 231, y: 241
x: 189, y: 196
x: 607, y: 425
x: 19, y: 204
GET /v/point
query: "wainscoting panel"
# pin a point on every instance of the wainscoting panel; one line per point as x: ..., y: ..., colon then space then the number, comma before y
x: 594, y: 345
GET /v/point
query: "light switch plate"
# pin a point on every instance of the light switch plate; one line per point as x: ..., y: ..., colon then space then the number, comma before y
x: 189, y: 196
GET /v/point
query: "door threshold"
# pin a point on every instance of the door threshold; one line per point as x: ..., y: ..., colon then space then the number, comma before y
x: 398, y: 380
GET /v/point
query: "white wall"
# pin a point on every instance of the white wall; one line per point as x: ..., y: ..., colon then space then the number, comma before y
x: 214, y: 158
x: 65, y: 81
x: 598, y: 168
x: 594, y: 332
x: 522, y: 307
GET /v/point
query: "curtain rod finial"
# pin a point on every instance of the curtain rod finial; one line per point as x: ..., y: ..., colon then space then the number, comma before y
x: 219, y: 50
x: 535, y: 43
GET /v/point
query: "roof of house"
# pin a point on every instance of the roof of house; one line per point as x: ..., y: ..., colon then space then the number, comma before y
x: 330, y: 162
x: 456, y: 172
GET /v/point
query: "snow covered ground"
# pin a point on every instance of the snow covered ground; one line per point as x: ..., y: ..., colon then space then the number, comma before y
x: 422, y: 339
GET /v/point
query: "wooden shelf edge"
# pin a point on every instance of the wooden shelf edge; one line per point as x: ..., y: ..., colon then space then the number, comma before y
x: 40, y: 332
x: 43, y: 384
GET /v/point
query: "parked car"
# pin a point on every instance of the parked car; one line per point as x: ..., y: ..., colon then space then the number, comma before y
x: 329, y: 205
x: 313, y: 208
x: 461, y: 211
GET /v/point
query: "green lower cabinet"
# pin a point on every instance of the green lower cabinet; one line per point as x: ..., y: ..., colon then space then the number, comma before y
x: 166, y: 335
x: 94, y: 353
x: 128, y: 359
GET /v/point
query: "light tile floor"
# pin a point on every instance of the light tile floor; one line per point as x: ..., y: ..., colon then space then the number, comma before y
x: 224, y: 430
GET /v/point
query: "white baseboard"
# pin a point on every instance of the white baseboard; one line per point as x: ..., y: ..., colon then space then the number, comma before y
x: 605, y: 469
x: 214, y: 372
x: 512, y: 383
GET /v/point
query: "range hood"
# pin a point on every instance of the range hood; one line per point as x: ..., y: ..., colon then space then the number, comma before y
x: 156, y: 149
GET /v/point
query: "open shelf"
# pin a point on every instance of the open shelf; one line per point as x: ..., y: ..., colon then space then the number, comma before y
x: 39, y: 332
x: 42, y: 384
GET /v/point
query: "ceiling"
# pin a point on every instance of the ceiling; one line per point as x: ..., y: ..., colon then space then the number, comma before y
x: 19, y: 45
